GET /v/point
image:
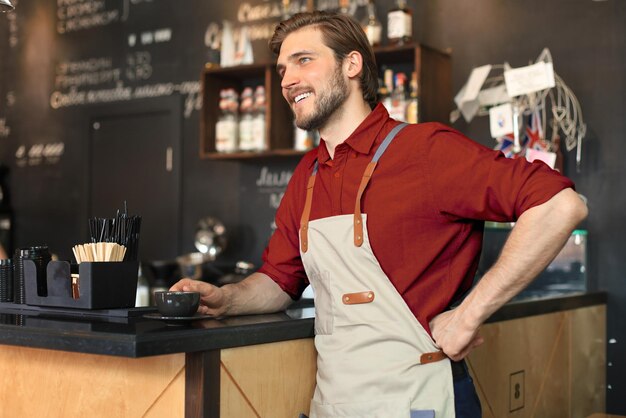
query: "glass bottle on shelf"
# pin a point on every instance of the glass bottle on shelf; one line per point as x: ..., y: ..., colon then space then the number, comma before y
x: 371, y: 25
x: 398, y: 98
x: 142, y: 297
x: 412, y: 109
x: 258, y: 120
x: 302, y: 139
x: 387, y: 89
x: 246, y: 141
x: 399, y: 24
x: 344, y: 6
x: 286, y: 5
x: 226, y: 126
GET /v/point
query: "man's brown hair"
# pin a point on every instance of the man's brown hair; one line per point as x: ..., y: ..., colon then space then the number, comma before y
x: 341, y: 34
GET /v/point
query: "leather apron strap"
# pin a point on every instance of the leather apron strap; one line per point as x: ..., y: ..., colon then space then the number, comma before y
x: 306, y: 213
x: 358, y: 218
x: 367, y: 175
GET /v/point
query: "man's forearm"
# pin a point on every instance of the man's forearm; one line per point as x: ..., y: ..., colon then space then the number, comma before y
x: 536, y: 239
x: 258, y: 293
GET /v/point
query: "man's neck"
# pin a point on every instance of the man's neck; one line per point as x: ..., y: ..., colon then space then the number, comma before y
x: 343, y: 122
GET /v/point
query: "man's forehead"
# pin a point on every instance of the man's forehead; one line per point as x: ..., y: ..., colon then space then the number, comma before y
x: 308, y: 38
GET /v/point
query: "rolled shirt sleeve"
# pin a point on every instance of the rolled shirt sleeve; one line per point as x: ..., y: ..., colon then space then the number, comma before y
x: 475, y: 182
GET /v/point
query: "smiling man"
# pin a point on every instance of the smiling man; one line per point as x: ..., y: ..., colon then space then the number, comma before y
x: 385, y: 221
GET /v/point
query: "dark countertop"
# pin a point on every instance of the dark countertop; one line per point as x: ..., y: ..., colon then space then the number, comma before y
x: 137, y: 336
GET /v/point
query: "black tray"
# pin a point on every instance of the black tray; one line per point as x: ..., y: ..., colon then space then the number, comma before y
x: 22, y: 308
x: 102, y: 285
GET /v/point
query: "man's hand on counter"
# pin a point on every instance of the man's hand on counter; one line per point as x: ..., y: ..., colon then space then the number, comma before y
x: 258, y: 293
x: 212, y: 298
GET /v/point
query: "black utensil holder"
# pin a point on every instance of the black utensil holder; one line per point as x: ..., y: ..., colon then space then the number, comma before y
x: 101, y: 285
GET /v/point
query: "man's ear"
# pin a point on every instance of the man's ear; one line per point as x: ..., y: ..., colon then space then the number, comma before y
x: 353, y: 64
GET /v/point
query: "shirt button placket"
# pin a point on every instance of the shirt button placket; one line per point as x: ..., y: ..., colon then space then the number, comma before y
x: 339, y: 165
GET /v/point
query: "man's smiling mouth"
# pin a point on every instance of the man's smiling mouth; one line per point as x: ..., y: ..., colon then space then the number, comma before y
x: 301, y: 97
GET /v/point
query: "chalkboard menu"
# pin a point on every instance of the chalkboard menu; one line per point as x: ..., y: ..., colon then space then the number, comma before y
x: 74, y: 71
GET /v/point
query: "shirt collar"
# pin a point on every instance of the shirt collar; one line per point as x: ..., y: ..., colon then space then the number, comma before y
x: 363, y: 137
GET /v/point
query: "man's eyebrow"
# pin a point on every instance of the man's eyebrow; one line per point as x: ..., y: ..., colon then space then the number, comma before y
x: 294, y: 57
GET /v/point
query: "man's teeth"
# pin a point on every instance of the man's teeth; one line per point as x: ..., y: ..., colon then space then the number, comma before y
x: 301, y: 96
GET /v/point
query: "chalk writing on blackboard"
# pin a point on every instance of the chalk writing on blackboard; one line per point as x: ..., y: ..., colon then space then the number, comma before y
x: 13, y: 32
x: 149, y: 37
x: 335, y: 5
x: 5, y: 130
x: 88, y: 81
x: 38, y: 154
x: 273, y: 183
x: 75, y: 15
x: 88, y: 72
x: 75, y: 97
x: 269, y: 178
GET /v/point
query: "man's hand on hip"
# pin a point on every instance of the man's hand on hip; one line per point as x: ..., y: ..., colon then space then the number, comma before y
x: 453, y: 335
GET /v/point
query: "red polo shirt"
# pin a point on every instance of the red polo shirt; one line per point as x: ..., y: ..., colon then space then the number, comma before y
x: 426, y: 203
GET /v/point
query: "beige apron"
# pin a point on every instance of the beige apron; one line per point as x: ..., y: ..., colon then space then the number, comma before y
x: 374, y: 359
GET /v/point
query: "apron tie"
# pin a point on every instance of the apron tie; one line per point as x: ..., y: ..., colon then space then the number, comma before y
x: 304, y: 220
x: 358, y: 218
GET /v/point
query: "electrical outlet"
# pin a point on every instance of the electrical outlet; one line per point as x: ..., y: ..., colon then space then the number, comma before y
x: 516, y: 391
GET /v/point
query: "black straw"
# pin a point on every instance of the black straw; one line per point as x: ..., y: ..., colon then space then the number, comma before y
x: 123, y: 230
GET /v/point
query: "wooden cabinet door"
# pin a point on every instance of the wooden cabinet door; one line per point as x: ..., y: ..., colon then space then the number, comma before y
x: 135, y: 157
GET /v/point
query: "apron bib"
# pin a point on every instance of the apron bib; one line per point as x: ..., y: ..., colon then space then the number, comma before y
x: 374, y: 358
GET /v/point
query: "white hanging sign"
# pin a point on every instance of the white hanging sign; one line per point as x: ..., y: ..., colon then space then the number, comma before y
x: 467, y: 98
x: 529, y: 79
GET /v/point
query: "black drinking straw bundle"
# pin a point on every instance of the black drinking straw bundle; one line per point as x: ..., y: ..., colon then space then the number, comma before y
x: 123, y: 229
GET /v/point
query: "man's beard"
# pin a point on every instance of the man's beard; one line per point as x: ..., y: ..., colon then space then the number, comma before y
x: 328, y: 102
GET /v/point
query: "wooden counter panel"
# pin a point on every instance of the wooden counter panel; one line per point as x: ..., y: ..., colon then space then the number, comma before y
x: 52, y: 383
x: 171, y: 401
x: 557, y: 359
x: 268, y: 380
x: 588, y: 348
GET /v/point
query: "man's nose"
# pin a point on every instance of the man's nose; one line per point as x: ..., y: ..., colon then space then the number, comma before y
x: 289, y: 79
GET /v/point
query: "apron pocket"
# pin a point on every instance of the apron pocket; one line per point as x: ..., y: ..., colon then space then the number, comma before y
x: 324, y: 315
x: 396, y: 407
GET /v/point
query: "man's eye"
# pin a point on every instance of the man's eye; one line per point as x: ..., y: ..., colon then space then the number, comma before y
x: 304, y: 60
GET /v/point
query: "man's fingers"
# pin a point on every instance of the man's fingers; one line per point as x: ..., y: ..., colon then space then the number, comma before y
x: 180, y: 285
x: 478, y: 340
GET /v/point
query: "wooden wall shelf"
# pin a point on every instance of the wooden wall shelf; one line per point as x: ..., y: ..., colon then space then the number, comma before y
x: 433, y: 70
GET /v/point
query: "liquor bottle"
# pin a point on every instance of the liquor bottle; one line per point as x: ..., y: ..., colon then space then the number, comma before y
x: 286, y: 9
x: 302, y: 139
x: 258, y: 120
x: 371, y: 25
x: 6, y: 216
x: 344, y: 6
x: 398, y: 98
x: 387, y: 89
x: 142, y: 297
x: 226, y: 127
x: 412, y: 109
x: 399, y: 24
x: 246, y: 108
